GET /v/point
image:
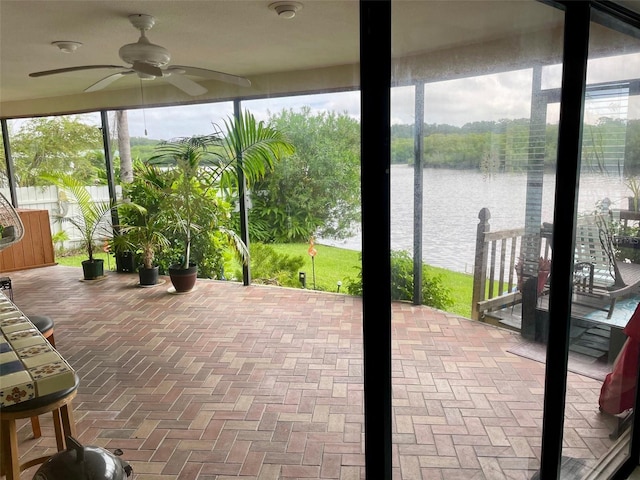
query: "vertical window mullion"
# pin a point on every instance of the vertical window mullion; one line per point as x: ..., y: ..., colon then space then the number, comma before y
x: 575, y: 54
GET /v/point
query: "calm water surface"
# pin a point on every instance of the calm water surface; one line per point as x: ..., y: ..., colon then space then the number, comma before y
x: 453, y: 199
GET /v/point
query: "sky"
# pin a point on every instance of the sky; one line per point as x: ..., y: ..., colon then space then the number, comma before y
x: 454, y: 102
x: 170, y: 122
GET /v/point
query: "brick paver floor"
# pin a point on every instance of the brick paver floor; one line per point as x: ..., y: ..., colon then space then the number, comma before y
x: 266, y: 383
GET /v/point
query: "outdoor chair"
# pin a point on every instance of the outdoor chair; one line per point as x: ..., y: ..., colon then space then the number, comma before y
x: 12, y: 227
x: 608, y: 278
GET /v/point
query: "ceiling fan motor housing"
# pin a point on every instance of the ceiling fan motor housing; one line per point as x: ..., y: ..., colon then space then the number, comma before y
x: 145, y: 52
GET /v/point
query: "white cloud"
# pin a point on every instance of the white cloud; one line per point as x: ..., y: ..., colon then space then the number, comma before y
x: 180, y: 121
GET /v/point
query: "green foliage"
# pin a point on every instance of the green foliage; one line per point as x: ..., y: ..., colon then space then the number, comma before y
x: 456, y: 150
x: 158, y: 190
x: 57, y: 144
x: 434, y: 292
x: 403, y: 151
x: 92, y: 219
x: 487, y: 146
x: 146, y: 238
x: 142, y: 149
x: 330, y: 265
x: 472, y: 145
x: 271, y: 267
x: 633, y: 184
x: 597, y: 141
x: 186, y: 195
x: 632, y: 147
x: 58, y: 239
x: 316, y: 191
x: 189, y: 185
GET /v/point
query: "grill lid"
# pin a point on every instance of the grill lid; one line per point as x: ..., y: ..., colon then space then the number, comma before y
x: 81, y: 463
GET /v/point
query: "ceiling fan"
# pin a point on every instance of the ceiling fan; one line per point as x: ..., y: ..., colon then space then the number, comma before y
x: 150, y: 61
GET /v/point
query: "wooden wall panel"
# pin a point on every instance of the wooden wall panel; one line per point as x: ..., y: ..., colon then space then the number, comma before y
x: 35, y: 249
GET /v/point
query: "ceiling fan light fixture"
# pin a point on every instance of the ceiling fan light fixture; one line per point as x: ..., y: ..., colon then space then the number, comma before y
x: 67, y: 46
x: 286, y: 9
x: 145, y: 76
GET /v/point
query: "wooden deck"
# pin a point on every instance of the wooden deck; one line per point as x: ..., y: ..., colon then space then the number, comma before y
x: 597, y: 339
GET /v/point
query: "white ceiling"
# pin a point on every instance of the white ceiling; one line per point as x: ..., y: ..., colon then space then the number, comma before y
x: 319, y: 48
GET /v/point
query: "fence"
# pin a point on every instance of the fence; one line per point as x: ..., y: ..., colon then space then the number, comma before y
x: 59, y: 206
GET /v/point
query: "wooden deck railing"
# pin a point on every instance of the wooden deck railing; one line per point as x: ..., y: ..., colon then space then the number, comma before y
x: 494, y: 274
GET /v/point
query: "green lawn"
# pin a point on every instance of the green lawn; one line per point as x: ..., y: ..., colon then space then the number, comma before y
x: 336, y: 264
x: 76, y: 260
x: 332, y: 265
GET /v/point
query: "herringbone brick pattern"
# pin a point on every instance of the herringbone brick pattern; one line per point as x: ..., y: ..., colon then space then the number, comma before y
x: 266, y: 383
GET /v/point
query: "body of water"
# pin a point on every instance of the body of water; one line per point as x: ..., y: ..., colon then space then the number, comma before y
x: 453, y: 199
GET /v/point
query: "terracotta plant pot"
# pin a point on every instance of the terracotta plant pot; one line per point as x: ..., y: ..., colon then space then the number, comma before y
x: 183, y: 279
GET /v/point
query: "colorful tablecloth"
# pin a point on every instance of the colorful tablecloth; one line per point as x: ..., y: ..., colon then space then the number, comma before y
x: 29, y: 366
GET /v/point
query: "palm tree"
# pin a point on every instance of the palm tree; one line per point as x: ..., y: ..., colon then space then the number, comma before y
x: 90, y: 221
x: 204, y: 165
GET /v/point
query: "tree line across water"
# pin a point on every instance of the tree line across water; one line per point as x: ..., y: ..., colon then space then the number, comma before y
x: 611, y: 145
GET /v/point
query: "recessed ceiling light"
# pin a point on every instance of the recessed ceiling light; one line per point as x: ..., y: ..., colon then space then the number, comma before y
x: 67, y: 46
x: 286, y: 9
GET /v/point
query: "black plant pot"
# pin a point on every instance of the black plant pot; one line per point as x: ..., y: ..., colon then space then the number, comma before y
x: 93, y: 269
x: 148, y: 276
x: 183, y: 279
x: 125, y: 262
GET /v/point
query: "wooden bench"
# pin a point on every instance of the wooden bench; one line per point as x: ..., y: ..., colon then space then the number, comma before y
x: 496, y: 257
x: 597, y: 273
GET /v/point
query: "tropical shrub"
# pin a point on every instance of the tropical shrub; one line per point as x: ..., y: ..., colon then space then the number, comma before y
x: 434, y: 292
x: 270, y: 267
x: 315, y: 192
x: 149, y: 188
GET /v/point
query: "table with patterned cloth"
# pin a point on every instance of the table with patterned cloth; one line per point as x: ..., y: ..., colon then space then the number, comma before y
x: 29, y: 366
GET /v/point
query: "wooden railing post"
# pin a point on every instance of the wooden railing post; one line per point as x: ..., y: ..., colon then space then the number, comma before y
x: 480, y: 262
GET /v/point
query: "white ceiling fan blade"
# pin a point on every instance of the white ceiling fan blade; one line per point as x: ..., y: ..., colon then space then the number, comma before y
x: 212, y: 74
x: 100, y: 84
x: 186, y: 85
x: 147, y: 69
x: 72, y: 69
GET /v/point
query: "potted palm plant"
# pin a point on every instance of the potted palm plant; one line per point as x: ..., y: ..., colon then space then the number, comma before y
x: 202, y: 166
x: 182, y: 195
x: 120, y: 247
x: 148, y: 239
x: 90, y: 221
